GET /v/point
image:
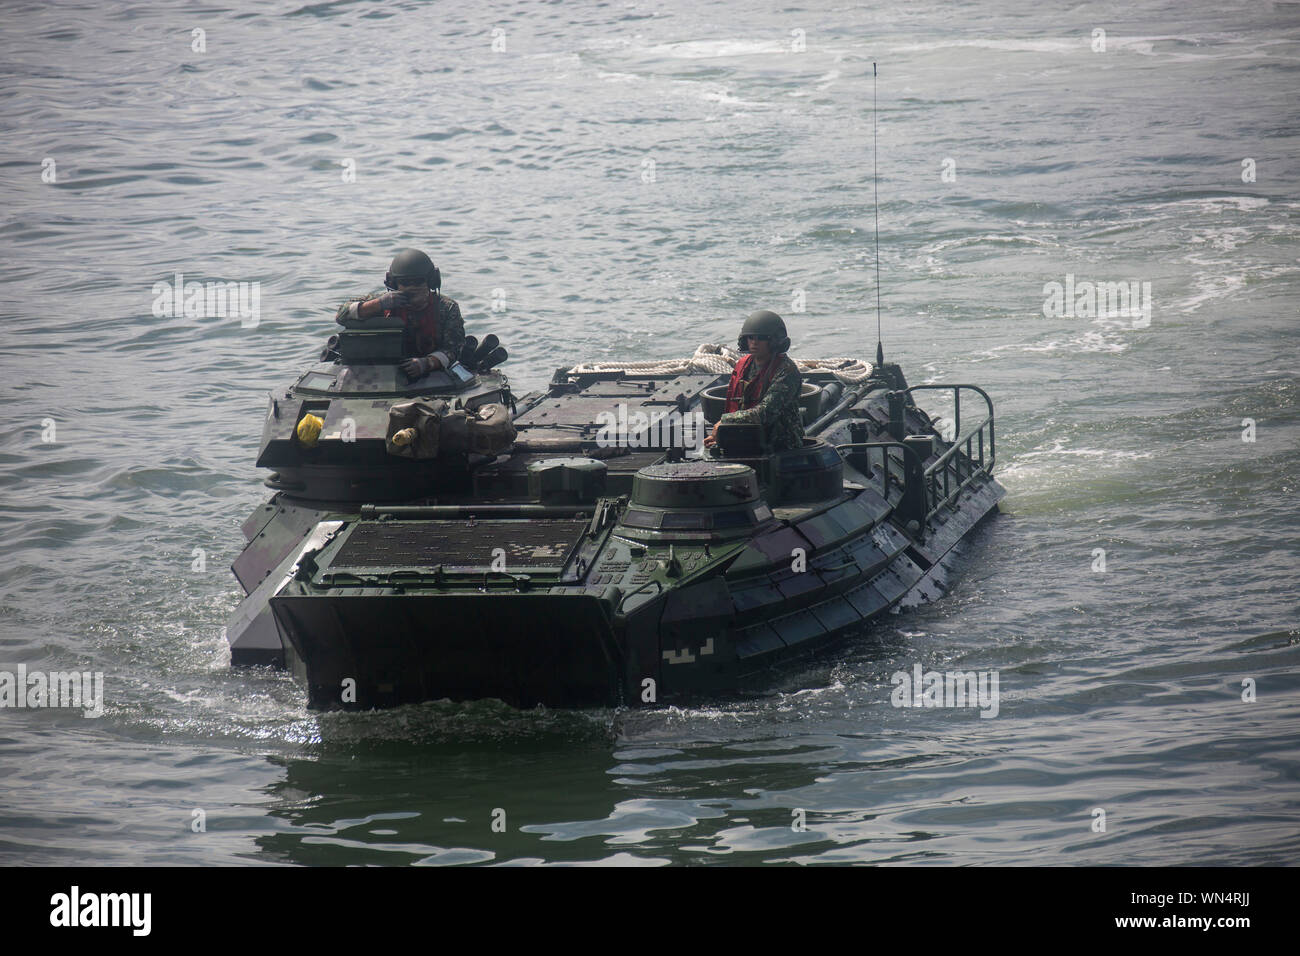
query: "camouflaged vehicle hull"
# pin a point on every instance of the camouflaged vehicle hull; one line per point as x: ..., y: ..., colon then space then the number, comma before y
x: 589, y: 565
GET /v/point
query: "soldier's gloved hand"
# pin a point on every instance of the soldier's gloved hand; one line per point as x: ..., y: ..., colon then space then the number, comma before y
x: 392, y: 301
x: 416, y: 367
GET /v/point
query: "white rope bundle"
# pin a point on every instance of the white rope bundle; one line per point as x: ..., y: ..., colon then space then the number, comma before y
x: 848, y: 370
x: 720, y: 360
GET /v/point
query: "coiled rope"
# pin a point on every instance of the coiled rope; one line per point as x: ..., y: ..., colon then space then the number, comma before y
x: 721, y: 359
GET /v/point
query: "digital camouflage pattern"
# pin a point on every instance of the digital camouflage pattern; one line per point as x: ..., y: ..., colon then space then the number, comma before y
x: 451, y: 328
x: 778, y: 410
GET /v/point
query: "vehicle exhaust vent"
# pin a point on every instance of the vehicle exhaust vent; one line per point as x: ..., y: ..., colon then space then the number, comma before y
x: 527, y: 544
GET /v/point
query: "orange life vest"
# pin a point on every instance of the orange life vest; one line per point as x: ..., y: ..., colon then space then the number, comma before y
x: 422, y: 328
x: 740, y: 395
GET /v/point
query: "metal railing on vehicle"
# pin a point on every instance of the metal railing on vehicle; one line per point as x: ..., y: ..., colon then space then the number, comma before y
x: 954, y: 471
x: 943, y: 481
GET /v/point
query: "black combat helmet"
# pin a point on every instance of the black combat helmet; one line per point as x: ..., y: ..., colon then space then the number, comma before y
x: 768, y: 324
x: 412, y: 262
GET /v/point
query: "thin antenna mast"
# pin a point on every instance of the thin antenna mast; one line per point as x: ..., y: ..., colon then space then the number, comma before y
x: 875, y: 182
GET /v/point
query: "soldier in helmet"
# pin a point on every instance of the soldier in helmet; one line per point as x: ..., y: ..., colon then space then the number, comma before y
x: 765, y: 385
x: 435, y: 332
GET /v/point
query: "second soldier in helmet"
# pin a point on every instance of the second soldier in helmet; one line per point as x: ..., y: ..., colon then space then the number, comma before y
x: 435, y: 331
x: 765, y: 385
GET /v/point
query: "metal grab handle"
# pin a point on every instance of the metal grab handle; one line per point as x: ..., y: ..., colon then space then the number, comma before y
x: 958, y: 437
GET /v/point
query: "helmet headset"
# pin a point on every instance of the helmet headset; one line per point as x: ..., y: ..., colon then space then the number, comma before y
x: 767, y: 325
x: 412, y: 262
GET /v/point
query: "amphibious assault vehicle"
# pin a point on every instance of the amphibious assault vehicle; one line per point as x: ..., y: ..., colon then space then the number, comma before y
x: 445, y: 538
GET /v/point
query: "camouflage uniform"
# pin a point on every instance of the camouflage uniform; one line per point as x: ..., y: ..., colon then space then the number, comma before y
x: 778, y: 410
x: 451, y: 329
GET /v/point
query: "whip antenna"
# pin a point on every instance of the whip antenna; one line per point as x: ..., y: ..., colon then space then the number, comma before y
x: 875, y: 182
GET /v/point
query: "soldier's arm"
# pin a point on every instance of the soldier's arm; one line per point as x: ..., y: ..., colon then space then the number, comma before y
x: 782, y: 392
x: 359, y: 307
x: 451, y: 335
